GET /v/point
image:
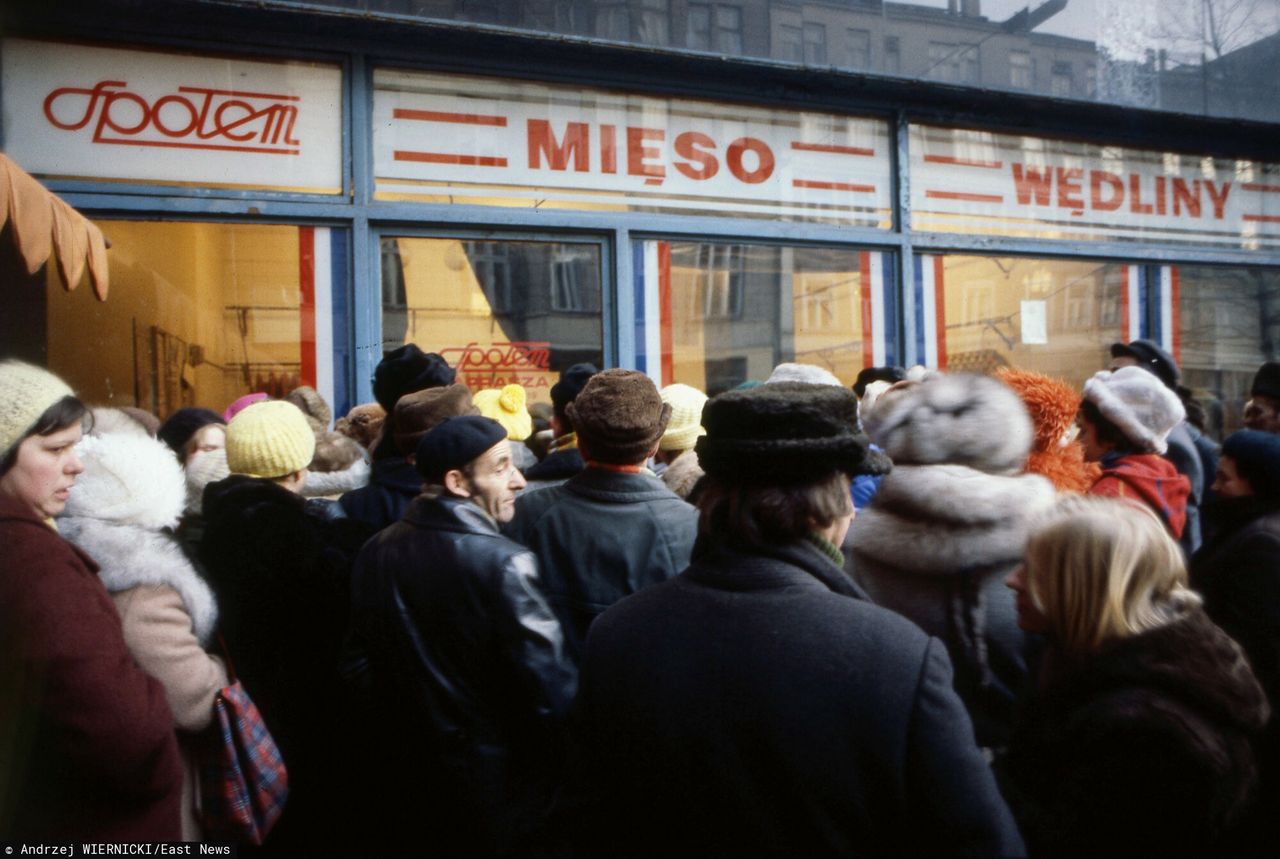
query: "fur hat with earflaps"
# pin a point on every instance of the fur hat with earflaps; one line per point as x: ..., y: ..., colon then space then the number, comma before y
x: 619, y: 417
x: 953, y: 419
x: 1138, y: 403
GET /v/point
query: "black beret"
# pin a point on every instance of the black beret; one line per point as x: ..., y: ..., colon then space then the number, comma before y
x: 406, y: 370
x: 1257, y: 458
x: 1151, y: 358
x: 784, y: 432
x: 571, y: 383
x: 454, y: 442
x: 183, y: 424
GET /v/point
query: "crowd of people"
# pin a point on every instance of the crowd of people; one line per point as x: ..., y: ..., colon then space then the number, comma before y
x: 929, y: 614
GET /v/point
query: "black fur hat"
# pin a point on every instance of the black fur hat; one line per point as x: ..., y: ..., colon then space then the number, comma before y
x: 785, y: 432
x: 1266, y: 382
x: 407, y: 370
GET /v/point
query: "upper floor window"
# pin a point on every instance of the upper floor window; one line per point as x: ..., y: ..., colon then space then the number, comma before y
x: 859, y: 49
x: 715, y: 27
x: 1021, y: 70
x: 815, y: 44
x: 1061, y: 83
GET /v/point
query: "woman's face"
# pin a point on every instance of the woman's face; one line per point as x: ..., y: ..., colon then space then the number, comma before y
x: 45, y: 470
x: 208, y: 437
x: 1227, y: 482
x: 1030, y: 618
x: 1093, y: 449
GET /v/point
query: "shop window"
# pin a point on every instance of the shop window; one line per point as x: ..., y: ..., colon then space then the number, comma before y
x: 1021, y: 70
x: 858, y: 54
x: 1224, y: 322
x: 716, y: 315
x: 199, y: 314
x: 815, y: 44
x: 500, y: 312
x: 982, y: 313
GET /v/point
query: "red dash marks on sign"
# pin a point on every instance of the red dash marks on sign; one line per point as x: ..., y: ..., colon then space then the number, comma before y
x: 833, y: 186
x: 1263, y: 219
x: 456, y: 118
x: 959, y: 195
x: 307, y: 302
x: 1262, y: 189
x: 446, y: 158
x: 963, y: 162
x: 831, y: 147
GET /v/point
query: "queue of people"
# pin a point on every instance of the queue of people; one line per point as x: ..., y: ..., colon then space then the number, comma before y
x: 947, y: 614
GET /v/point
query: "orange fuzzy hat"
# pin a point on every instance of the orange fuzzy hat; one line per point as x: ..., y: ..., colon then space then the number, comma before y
x: 1052, y: 404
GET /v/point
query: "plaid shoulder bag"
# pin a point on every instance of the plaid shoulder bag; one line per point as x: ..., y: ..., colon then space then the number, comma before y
x: 243, y: 781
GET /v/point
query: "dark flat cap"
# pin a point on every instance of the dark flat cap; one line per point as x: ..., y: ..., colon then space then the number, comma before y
x: 455, y: 442
x: 1152, y: 358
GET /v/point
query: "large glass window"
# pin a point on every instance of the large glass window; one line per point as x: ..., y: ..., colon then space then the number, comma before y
x: 198, y: 315
x: 715, y: 315
x: 500, y: 312
x: 1055, y: 316
x: 1225, y: 323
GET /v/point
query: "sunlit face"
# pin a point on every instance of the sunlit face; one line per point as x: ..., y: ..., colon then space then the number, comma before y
x: 1227, y: 481
x: 1094, y: 450
x: 1030, y: 618
x: 45, y: 470
x: 208, y: 437
x: 495, y: 482
x: 1262, y: 413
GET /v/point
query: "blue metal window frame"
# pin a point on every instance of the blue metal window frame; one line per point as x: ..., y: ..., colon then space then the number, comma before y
x: 365, y: 219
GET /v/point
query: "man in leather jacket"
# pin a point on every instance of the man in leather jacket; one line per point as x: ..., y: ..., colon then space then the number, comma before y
x: 469, y: 676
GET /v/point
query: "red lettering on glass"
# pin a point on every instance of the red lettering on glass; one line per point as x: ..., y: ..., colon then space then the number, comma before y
x: 704, y: 164
x: 576, y: 142
x: 640, y: 155
x: 1099, y: 178
x: 1070, y: 188
x: 764, y: 157
x: 191, y: 118
x: 1029, y: 182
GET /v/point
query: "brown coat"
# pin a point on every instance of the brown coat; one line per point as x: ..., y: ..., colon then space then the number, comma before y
x: 87, y: 746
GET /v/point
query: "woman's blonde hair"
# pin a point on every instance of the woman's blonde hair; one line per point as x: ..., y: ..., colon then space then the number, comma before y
x: 1099, y: 569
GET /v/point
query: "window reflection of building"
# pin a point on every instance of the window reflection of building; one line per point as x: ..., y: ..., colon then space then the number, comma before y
x: 721, y: 270
x: 858, y: 54
x: 573, y: 279
x: 491, y: 264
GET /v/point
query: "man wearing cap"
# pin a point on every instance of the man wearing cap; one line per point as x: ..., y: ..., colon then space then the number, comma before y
x: 563, y: 460
x: 759, y: 703
x: 1182, y: 450
x: 614, y: 528
x: 1262, y: 412
x: 280, y: 577
x: 470, y: 678
x: 393, y: 481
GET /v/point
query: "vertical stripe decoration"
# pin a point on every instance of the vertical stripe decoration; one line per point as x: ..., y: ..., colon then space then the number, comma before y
x: 652, y: 296
x: 315, y: 309
x: 1170, y: 338
x: 931, y: 328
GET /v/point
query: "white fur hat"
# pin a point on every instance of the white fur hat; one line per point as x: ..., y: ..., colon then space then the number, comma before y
x: 810, y: 374
x: 960, y: 419
x: 1138, y: 403
x: 128, y: 479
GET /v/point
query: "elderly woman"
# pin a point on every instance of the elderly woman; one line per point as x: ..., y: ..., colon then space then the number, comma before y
x: 86, y: 738
x: 1140, y: 741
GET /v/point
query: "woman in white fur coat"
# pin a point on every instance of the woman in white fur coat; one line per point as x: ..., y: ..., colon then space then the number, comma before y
x: 948, y: 524
x: 131, y: 490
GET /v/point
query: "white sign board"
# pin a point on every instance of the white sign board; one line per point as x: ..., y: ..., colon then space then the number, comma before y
x: 149, y: 116
x: 975, y: 181
x: 482, y: 140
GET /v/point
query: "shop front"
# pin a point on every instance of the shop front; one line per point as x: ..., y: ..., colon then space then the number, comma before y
x: 282, y: 211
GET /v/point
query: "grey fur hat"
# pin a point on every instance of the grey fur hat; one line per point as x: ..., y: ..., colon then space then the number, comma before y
x: 956, y: 419
x: 810, y: 374
x: 1138, y: 403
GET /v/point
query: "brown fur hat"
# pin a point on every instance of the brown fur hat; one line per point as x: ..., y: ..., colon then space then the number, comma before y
x: 363, y: 424
x: 421, y: 411
x: 619, y: 417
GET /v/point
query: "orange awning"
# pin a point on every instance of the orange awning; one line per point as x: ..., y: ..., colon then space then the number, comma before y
x: 43, y: 225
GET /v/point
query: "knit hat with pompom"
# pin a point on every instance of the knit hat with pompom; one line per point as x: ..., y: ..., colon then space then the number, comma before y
x: 508, y: 407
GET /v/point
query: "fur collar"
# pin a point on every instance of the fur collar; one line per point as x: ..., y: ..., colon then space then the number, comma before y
x: 942, y: 520
x: 682, y: 473
x: 131, y: 557
x: 331, y: 484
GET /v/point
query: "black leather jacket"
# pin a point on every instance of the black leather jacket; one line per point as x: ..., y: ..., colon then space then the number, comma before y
x: 466, y: 659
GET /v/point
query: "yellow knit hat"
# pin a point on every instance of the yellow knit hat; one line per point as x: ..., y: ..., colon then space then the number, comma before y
x: 26, y: 393
x: 686, y: 416
x: 507, y: 407
x: 269, y: 439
